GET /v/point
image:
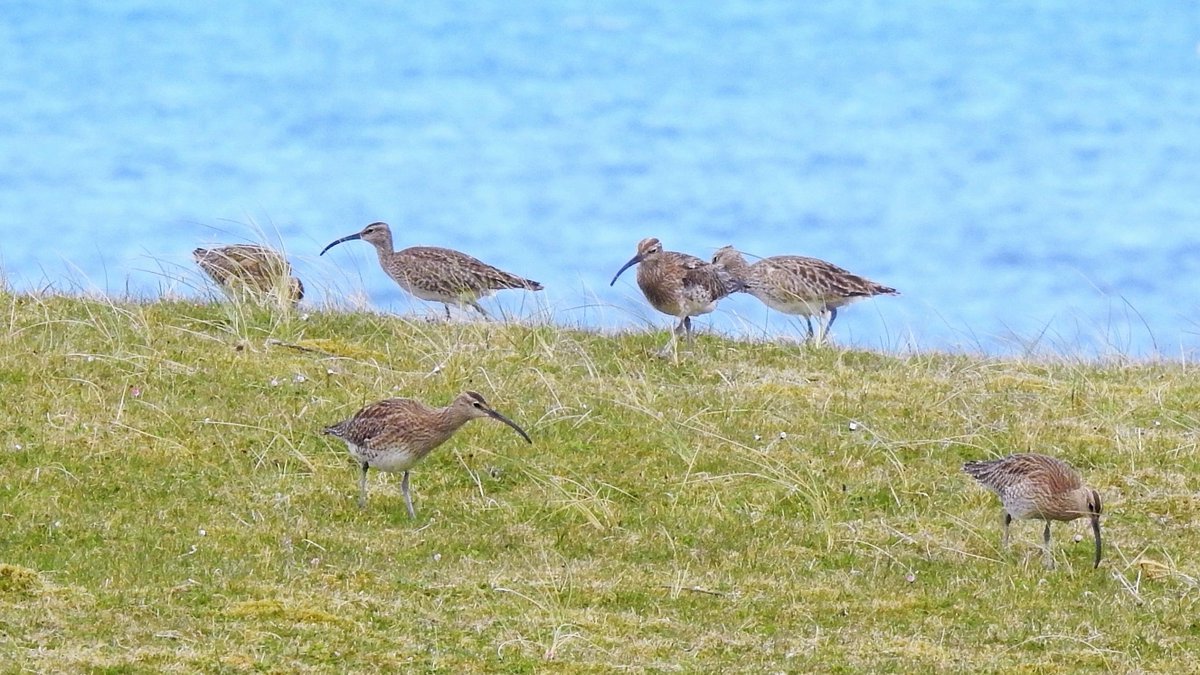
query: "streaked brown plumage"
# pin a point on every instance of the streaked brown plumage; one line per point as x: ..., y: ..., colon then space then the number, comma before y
x: 678, y: 284
x: 437, y: 274
x: 798, y: 285
x: 394, y: 434
x: 1033, y: 486
x: 250, y: 270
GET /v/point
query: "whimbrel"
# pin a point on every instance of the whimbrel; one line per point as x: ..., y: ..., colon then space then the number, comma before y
x: 437, y: 274
x: 1033, y: 486
x: 678, y: 284
x: 795, y: 284
x: 249, y: 270
x: 394, y: 434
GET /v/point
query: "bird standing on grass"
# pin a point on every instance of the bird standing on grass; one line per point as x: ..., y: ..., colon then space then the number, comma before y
x: 678, y: 284
x: 394, y: 434
x: 802, y: 286
x: 437, y: 274
x: 1033, y: 486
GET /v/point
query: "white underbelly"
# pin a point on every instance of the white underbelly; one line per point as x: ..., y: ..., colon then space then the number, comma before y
x: 390, y: 461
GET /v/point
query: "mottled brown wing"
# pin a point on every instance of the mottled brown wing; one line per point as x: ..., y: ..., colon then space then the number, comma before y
x: 712, y: 281
x: 257, y: 267
x: 1054, y: 475
x: 808, y: 277
x: 453, y: 272
x: 377, y: 425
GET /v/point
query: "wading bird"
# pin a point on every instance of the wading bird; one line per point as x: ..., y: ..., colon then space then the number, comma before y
x: 394, y: 434
x: 437, y: 274
x: 250, y: 271
x: 802, y: 286
x: 1037, y: 487
x: 678, y: 284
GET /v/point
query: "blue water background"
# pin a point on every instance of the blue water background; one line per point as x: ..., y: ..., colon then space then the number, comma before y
x: 1026, y: 173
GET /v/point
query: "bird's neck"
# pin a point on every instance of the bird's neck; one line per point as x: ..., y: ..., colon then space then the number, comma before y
x: 384, y: 246
x: 1070, y: 505
x: 449, y: 419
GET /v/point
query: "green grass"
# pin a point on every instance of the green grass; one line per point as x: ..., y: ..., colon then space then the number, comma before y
x: 167, y: 503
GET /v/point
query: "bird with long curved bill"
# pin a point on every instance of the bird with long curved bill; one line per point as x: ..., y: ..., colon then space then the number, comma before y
x: 1038, y: 487
x: 394, y: 434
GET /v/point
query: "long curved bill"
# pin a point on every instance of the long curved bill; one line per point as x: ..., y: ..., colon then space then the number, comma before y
x: 502, y: 418
x: 632, y: 261
x: 350, y: 237
x: 1096, y: 531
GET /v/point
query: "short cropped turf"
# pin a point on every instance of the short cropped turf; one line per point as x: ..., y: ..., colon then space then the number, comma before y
x: 167, y: 502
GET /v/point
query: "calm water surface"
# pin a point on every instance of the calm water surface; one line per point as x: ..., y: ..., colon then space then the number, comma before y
x: 1026, y: 173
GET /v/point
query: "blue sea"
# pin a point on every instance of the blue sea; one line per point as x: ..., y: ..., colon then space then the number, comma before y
x: 1026, y: 173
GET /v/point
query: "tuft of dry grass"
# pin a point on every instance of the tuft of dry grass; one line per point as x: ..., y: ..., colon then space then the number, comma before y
x: 167, y: 503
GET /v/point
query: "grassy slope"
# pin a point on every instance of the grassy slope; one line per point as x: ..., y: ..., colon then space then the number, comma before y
x: 167, y: 503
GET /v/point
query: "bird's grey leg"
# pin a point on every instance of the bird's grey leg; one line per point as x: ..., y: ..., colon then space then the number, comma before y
x: 447, y: 306
x: 1007, y: 522
x: 832, y: 318
x: 687, y: 326
x: 1046, y: 543
x: 479, y: 309
x: 362, y: 486
x: 407, y: 496
x: 808, y: 320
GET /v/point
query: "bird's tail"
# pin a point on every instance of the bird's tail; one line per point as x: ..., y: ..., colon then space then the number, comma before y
x: 979, y: 469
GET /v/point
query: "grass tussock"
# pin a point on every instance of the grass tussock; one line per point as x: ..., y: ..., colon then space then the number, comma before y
x: 167, y: 503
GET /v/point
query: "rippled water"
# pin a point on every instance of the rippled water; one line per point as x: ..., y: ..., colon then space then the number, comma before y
x: 1025, y: 173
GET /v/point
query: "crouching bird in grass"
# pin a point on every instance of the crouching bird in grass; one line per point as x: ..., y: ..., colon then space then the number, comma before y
x: 250, y: 271
x: 678, y: 284
x: 394, y: 434
x: 437, y: 274
x: 1037, y: 487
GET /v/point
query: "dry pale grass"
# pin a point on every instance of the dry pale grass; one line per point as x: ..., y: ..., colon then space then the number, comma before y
x: 166, y: 503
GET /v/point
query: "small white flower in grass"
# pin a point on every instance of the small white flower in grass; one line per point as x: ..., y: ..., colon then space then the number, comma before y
x: 304, y: 316
x: 437, y: 557
x: 330, y: 371
x: 274, y: 382
x: 782, y: 435
x: 1078, y: 538
x: 854, y: 426
x: 314, y: 562
x: 90, y: 358
x: 58, y: 523
x: 298, y: 378
x: 911, y: 577
x: 203, y: 532
x: 17, y: 446
x: 758, y: 437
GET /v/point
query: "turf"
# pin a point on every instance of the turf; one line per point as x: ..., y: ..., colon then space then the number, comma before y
x: 168, y: 504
